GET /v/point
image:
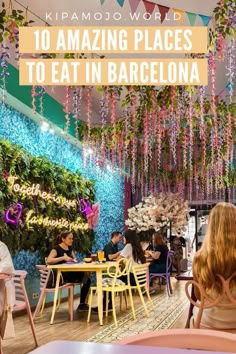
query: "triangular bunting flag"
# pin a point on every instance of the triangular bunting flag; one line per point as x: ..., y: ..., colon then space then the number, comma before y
x: 163, y: 11
x: 229, y: 86
x: 149, y: 6
x: 191, y: 17
x: 205, y: 19
x: 179, y: 15
x: 221, y: 94
x: 120, y: 2
x: 134, y: 5
x: 102, y: 2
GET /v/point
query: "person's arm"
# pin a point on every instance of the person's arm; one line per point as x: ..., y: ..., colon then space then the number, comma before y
x: 155, y: 254
x: 126, y: 252
x: 53, y: 259
x: 108, y: 251
x: 113, y: 256
x: 73, y: 256
x: 6, y: 265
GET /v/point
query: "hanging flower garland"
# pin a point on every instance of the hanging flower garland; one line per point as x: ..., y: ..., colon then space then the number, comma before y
x: 41, y: 95
x: 103, y: 116
x: 202, y: 125
x: 77, y: 97
x: 66, y: 109
x: 127, y: 119
x: 88, y: 111
x: 220, y: 37
x: 134, y: 139
x: 146, y: 139
x: 190, y: 144
x: 172, y: 136
x: 230, y: 67
x: 33, y: 96
x: 215, y: 155
x: 113, y: 101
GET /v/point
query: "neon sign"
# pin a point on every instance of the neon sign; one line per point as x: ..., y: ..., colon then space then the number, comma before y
x: 35, y: 190
x: 13, y: 214
x: 85, y: 207
x: 32, y: 219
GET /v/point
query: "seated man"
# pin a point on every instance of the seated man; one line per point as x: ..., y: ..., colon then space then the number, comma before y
x: 111, y: 249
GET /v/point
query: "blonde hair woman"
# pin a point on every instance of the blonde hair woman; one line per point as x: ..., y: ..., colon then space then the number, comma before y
x: 218, y: 256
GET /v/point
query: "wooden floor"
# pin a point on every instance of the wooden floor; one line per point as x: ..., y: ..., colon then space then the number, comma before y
x: 63, y: 329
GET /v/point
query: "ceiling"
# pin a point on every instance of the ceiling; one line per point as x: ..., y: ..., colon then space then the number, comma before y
x: 54, y: 8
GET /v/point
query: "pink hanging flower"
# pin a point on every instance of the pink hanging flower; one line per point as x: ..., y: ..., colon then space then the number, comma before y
x: 93, y: 216
x: 6, y: 175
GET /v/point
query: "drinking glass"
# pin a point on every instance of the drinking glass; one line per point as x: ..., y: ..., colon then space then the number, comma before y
x: 94, y: 257
x: 100, y: 255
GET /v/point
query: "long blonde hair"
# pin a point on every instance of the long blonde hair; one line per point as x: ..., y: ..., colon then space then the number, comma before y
x: 218, y: 252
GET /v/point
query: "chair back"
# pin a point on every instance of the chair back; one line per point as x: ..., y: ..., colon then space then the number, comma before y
x: 199, y: 339
x: 169, y: 261
x: 118, y: 269
x: 44, y: 273
x: 22, y: 301
x: 20, y: 291
x: 140, y: 274
x: 168, y: 266
x: 223, y: 299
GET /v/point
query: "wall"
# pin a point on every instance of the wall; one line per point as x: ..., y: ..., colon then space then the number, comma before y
x: 20, y: 130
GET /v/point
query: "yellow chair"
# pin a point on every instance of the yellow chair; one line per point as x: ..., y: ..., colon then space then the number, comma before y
x: 140, y: 272
x: 114, y: 285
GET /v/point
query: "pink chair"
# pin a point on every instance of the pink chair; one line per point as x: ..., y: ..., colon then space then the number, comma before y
x: 44, y: 276
x: 22, y: 301
x: 198, y: 339
x: 224, y: 299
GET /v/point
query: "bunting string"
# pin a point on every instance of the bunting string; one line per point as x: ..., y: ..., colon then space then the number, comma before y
x: 163, y: 10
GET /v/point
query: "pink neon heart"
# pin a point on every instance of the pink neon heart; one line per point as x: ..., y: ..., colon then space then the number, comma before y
x: 17, y: 214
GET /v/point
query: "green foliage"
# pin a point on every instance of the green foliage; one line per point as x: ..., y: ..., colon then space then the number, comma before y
x: 53, y: 179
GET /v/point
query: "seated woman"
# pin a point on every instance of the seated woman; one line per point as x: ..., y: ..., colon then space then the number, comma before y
x: 159, y: 254
x: 63, y: 253
x: 6, y: 266
x: 132, y: 250
x: 217, y: 256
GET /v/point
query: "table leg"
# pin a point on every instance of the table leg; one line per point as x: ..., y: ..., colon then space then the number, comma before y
x: 55, y: 296
x: 100, y: 295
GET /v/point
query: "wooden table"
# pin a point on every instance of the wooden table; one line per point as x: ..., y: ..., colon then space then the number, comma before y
x: 185, y: 276
x: 96, y: 267
x: 61, y: 347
